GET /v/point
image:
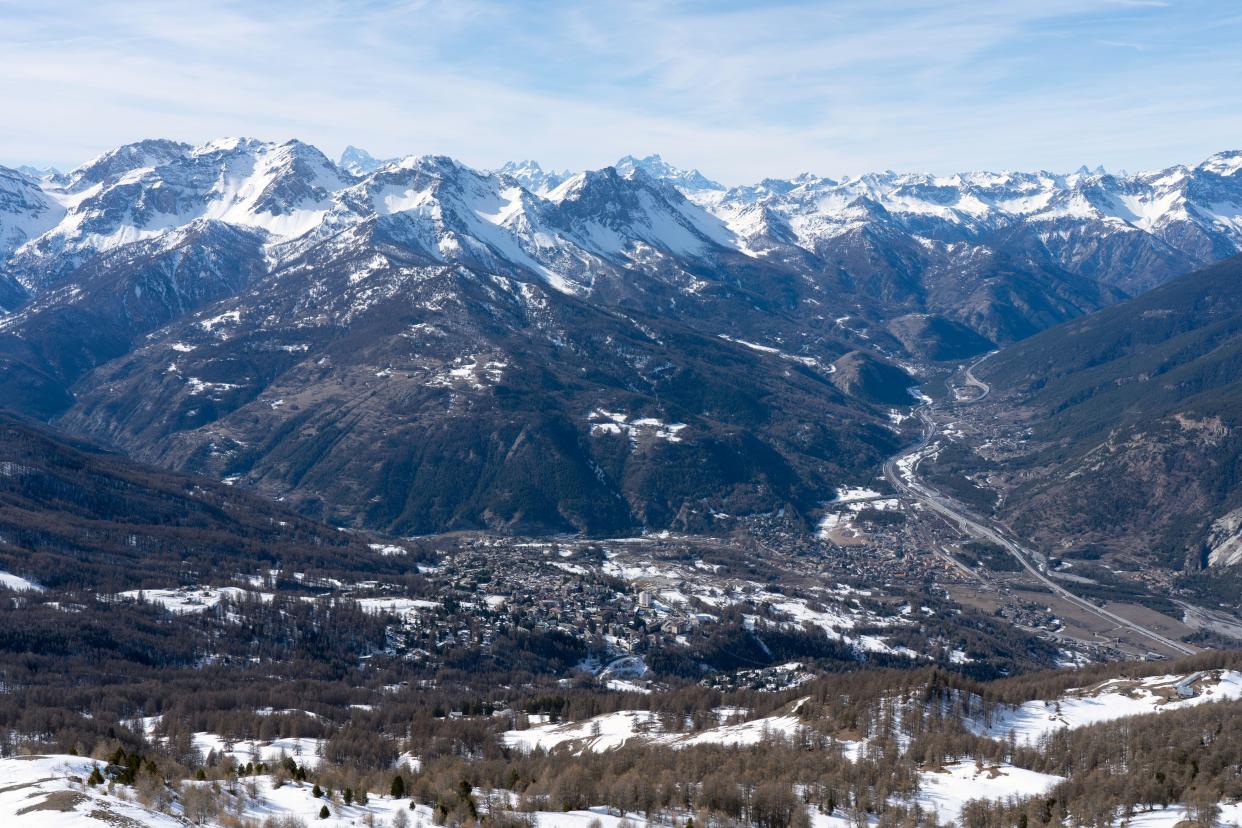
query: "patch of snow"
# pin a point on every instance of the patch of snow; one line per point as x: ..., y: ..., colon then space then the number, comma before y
x: 17, y: 583
x: 946, y: 792
x: 191, y: 599
x: 397, y: 606
x: 612, y: 730
x: 388, y: 549
x: 227, y: 318
x: 846, y: 494
x: 611, y: 422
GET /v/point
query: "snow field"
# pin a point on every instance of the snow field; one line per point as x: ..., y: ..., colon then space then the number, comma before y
x: 1114, y: 699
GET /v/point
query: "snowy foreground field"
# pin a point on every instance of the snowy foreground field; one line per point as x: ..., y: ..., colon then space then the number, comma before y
x: 50, y: 792
x: 53, y: 790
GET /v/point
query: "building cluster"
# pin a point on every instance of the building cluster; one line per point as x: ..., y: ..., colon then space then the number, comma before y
x: 482, y: 594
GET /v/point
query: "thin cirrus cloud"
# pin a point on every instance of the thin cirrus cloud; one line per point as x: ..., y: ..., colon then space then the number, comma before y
x: 739, y: 89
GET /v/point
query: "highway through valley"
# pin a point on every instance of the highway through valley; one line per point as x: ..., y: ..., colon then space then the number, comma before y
x: 902, y: 471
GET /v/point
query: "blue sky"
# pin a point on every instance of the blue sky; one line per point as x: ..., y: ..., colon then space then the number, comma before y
x: 741, y: 90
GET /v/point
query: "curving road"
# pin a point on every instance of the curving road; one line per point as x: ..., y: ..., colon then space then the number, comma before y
x: 973, y: 525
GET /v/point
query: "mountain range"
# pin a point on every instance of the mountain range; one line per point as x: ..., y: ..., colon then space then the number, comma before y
x: 416, y: 345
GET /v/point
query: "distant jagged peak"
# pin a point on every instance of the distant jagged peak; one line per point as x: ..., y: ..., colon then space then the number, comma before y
x: 1084, y: 170
x: 358, y: 161
x: 528, y: 166
x: 45, y: 175
x: 656, y: 167
x: 531, y: 175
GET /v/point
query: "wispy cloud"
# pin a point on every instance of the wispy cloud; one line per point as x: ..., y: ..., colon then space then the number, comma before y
x: 741, y: 89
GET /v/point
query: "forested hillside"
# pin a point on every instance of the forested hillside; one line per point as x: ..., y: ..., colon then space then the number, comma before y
x: 1134, y: 414
x: 879, y: 747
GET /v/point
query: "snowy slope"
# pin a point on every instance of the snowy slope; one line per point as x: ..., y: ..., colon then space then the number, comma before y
x: 1230, y: 815
x: 49, y: 791
x: 1113, y: 699
x: 39, y: 791
x: 17, y: 583
x: 945, y: 791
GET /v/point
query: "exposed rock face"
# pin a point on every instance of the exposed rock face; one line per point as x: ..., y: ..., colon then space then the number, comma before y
x: 1224, y: 540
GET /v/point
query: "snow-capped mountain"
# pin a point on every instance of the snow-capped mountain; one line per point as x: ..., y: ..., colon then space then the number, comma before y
x: 887, y: 232
x: 47, y: 175
x: 617, y: 211
x: 991, y: 255
x: 593, y: 226
x: 477, y: 319
x: 143, y: 191
x: 590, y: 223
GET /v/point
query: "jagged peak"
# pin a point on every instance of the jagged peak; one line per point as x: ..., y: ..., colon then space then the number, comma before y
x: 531, y: 175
